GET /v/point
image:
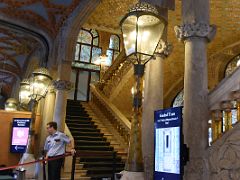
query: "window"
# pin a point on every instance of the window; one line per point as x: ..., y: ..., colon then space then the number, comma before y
x: 232, y: 65
x: 83, y: 67
x: 114, y: 48
x: 87, y: 49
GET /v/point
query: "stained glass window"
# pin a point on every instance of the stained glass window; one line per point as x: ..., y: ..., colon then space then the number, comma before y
x: 87, y: 49
x: 85, y: 37
x: 114, y: 48
x: 232, y: 65
x: 96, y: 52
x: 114, y: 42
x: 178, y: 100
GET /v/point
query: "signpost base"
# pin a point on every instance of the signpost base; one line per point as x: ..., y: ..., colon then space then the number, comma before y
x: 30, y: 169
x: 127, y: 175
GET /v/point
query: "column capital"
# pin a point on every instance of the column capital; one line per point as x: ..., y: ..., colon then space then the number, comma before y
x: 164, y: 49
x: 217, y: 114
x: 236, y: 95
x: 226, y: 105
x: 62, y: 85
x: 201, y: 30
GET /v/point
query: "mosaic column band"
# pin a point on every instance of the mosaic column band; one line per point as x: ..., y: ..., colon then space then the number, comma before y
x: 201, y: 30
x: 62, y: 85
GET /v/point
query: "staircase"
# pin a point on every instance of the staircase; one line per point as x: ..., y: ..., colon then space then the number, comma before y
x: 89, y: 138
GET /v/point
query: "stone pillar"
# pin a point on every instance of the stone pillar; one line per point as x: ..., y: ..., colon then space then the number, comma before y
x: 62, y: 86
x: 47, y: 116
x: 195, y: 32
x: 153, y: 100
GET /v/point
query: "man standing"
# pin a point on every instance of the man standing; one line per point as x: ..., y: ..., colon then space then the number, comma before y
x: 55, y: 147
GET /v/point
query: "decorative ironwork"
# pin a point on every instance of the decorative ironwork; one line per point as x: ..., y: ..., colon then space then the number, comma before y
x: 144, y: 7
x: 42, y: 71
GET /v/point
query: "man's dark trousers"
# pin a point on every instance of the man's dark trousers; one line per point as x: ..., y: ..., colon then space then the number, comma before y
x: 54, y: 169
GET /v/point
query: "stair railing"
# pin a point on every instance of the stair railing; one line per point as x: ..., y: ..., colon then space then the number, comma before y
x: 113, y: 76
x: 118, y: 120
x: 115, y: 65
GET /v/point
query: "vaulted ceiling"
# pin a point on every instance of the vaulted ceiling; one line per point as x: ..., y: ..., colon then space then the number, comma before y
x: 15, y: 45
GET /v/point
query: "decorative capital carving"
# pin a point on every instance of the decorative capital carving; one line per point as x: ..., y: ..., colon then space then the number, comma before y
x: 201, y: 30
x: 62, y: 85
x: 164, y: 49
x: 226, y: 105
x: 217, y: 114
x: 236, y: 95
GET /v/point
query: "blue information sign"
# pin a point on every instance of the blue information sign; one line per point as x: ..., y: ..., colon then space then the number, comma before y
x: 20, y: 132
x: 168, y: 144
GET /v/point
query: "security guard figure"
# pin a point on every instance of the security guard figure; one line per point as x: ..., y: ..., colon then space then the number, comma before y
x: 55, y: 147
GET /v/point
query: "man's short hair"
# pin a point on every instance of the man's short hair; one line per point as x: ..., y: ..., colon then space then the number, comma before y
x: 52, y: 124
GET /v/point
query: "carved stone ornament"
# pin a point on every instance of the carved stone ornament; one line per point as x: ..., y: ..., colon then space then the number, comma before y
x: 164, y: 49
x: 196, y: 169
x: 62, y: 85
x: 224, y: 156
x: 202, y: 30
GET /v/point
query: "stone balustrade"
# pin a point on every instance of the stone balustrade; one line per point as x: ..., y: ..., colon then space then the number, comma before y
x: 116, y: 118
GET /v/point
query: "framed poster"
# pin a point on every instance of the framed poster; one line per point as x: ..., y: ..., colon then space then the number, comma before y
x: 20, y: 133
x: 168, y: 141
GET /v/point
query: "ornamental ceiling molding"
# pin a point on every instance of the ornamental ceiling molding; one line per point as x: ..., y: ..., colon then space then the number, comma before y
x: 44, y: 14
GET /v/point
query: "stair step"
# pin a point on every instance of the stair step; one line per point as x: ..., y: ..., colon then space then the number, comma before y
x: 80, y: 147
x: 76, y: 111
x: 79, y: 121
x: 99, y: 159
x: 83, y: 129
x: 93, y: 134
x: 106, y: 164
x: 68, y: 116
x: 80, y: 124
x: 89, y: 138
x: 84, y: 126
x: 92, y: 143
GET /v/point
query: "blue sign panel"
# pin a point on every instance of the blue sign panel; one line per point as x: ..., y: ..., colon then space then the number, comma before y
x: 168, y: 144
x: 20, y: 132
